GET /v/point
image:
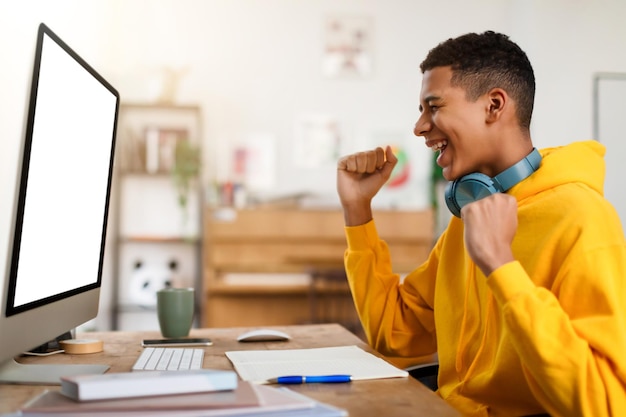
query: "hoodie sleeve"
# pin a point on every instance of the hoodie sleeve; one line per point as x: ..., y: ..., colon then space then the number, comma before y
x: 571, y: 341
x: 405, y: 332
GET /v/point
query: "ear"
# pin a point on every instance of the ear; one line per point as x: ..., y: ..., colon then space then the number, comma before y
x: 497, y: 103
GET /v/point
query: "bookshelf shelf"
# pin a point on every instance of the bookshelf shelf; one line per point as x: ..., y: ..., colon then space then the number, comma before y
x: 157, y: 240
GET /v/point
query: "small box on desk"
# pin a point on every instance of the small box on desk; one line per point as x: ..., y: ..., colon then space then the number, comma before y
x: 146, y: 384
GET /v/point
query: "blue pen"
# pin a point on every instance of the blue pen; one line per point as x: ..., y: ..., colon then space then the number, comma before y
x: 299, y: 379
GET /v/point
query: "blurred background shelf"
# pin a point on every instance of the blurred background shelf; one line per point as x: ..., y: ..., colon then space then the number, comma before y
x: 156, y: 223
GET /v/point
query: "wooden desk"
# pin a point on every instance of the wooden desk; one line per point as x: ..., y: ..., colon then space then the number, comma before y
x: 387, y: 397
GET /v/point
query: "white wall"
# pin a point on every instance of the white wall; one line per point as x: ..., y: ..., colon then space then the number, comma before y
x: 254, y: 67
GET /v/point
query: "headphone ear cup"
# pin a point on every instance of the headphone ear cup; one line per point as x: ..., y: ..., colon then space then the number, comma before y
x: 467, y: 189
x: 450, y: 200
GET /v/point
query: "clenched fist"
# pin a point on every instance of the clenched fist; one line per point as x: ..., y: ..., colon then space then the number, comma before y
x: 490, y: 226
x: 359, y: 177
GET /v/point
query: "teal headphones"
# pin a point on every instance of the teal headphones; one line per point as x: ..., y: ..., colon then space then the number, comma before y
x: 473, y: 187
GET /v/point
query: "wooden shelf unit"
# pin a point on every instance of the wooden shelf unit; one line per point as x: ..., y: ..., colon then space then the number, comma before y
x: 266, y: 242
x: 149, y: 226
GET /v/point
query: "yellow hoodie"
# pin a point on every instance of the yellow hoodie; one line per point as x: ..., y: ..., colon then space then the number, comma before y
x: 545, y: 333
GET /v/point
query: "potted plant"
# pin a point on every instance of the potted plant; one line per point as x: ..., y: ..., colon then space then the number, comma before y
x: 186, y: 169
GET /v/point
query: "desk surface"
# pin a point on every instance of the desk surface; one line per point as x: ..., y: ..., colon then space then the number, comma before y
x: 388, y: 397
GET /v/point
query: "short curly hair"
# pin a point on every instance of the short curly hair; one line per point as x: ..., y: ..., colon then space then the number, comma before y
x: 484, y: 61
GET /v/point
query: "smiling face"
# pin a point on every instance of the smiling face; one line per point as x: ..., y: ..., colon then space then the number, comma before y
x: 459, y: 129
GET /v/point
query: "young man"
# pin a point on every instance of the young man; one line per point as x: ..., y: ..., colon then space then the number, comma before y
x: 524, y: 296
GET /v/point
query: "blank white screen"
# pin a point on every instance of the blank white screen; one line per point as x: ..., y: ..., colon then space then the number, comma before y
x: 64, y: 210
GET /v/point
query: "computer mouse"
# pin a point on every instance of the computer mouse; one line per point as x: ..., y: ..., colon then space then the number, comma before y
x: 263, y: 335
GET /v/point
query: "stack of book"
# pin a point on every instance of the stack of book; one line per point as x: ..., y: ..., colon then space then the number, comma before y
x: 182, y: 393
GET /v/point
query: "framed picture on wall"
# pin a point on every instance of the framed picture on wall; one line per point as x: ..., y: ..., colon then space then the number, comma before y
x: 317, y: 141
x: 347, y: 46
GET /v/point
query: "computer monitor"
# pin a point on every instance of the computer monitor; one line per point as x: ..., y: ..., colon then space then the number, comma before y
x: 56, y: 249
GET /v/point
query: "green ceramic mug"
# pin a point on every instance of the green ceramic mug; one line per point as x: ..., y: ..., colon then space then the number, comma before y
x: 175, y: 308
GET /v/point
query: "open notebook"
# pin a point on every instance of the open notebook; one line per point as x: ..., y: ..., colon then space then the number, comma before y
x: 259, y: 366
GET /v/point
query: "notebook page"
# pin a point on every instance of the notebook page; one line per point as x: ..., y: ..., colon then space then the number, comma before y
x: 260, y: 365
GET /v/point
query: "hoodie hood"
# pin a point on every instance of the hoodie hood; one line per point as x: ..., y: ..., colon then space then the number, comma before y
x: 578, y: 162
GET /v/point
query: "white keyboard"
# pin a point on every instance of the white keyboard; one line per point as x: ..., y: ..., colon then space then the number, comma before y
x: 169, y: 359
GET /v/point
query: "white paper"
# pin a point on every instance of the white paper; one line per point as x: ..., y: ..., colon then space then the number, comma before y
x: 258, y: 366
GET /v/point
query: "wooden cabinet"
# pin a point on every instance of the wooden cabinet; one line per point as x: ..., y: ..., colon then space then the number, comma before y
x: 258, y: 263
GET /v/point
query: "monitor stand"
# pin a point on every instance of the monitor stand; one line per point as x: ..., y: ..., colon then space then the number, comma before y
x: 12, y: 372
